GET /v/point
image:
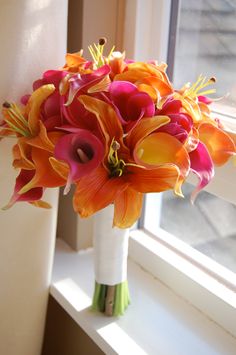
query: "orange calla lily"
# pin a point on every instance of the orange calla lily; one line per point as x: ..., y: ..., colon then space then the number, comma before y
x: 148, y: 77
x: 219, y: 144
x: 152, y: 151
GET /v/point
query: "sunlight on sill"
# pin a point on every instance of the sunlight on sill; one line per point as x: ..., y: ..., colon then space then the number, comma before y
x: 74, y: 294
x: 156, y: 313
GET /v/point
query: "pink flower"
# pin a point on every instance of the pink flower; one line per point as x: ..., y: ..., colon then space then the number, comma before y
x: 201, y: 165
x: 22, y: 179
x: 82, y: 151
x: 129, y: 103
x: 51, y: 114
x: 73, y: 111
x: 180, y: 123
x: 86, y: 83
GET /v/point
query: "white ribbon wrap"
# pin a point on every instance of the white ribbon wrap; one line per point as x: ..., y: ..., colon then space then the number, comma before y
x: 110, y: 249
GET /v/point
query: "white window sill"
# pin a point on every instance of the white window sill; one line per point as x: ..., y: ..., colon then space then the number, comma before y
x: 156, y: 322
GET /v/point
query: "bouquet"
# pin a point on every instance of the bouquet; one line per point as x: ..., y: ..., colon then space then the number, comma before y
x: 116, y: 129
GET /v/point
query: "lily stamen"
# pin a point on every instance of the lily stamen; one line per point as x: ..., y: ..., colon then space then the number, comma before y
x: 117, y: 165
x: 15, y: 120
x: 201, y: 83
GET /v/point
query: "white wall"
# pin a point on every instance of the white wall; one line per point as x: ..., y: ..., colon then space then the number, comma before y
x: 33, y: 39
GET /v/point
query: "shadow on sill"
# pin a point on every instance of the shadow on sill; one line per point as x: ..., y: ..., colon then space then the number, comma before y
x: 63, y: 336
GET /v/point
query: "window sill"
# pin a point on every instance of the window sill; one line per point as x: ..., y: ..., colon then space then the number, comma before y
x: 157, y: 321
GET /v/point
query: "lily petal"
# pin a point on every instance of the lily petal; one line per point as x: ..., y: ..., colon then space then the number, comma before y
x: 128, y: 208
x: 34, y: 104
x: 45, y: 175
x: 44, y: 140
x: 61, y: 168
x: 161, y: 148
x: 220, y: 146
x: 143, y: 128
x: 106, y: 116
x: 162, y: 86
x: 162, y: 178
x: 96, y: 191
x: 41, y: 204
x: 86, y: 81
x: 22, y: 179
x: 202, y: 166
x: 22, y: 155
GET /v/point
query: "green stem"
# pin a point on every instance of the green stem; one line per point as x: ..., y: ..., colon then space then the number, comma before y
x: 121, y: 300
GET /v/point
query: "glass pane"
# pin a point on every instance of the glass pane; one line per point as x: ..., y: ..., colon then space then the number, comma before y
x: 209, y: 225
x: 206, y: 44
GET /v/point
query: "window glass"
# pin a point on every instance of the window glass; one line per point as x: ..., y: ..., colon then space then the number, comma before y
x: 206, y: 44
x: 208, y: 226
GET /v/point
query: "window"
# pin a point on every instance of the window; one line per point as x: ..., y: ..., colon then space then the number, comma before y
x: 208, y: 225
x: 203, y: 46
x: 208, y: 284
x: 207, y: 46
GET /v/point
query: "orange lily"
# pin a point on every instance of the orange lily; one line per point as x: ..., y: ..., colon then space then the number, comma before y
x: 35, y: 145
x: 119, y: 179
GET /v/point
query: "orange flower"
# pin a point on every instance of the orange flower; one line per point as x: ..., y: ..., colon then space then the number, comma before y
x: 35, y: 145
x: 149, y: 78
x: 119, y: 179
x: 219, y: 144
x: 75, y: 63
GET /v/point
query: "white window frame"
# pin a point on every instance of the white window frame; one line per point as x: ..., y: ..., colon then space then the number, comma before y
x: 202, y: 282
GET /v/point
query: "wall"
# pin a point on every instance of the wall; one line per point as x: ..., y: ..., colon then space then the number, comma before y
x: 33, y: 39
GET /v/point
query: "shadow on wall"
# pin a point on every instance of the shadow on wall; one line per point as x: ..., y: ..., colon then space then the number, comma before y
x: 63, y: 335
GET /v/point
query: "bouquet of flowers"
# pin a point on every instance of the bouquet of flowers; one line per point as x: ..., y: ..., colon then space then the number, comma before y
x: 116, y: 129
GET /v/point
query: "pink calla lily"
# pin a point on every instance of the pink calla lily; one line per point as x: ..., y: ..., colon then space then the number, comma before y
x: 50, y: 112
x: 130, y: 104
x: 82, y: 151
x: 180, y: 123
